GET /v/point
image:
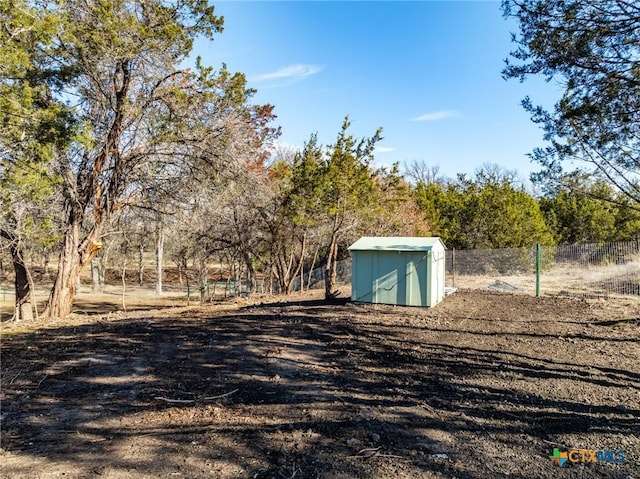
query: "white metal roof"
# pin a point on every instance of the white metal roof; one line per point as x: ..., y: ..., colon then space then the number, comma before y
x: 395, y: 243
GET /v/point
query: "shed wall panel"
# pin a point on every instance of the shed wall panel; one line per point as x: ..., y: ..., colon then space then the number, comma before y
x: 362, y: 274
x: 386, y: 283
x: 416, y: 279
x: 398, y: 274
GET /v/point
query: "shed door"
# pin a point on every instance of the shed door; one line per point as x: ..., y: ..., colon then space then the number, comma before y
x: 400, y: 278
x: 416, y: 279
x: 387, y: 275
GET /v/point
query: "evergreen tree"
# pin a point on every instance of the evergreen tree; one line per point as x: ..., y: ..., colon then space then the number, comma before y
x: 347, y: 189
x: 119, y: 66
x: 593, y: 49
x: 489, y: 211
x: 33, y: 127
x: 589, y: 211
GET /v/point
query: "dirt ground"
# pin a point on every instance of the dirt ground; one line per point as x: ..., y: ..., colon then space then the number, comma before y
x: 484, y: 385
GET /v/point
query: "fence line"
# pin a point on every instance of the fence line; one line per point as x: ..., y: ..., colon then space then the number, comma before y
x: 586, y: 270
x: 582, y: 270
x: 596, y: 270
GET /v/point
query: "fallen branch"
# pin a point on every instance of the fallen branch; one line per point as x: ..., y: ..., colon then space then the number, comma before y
x: 209, y: 398
x: 431, y: 408
x: 15, y: 377
x: 176, y: 401
x: 191, y: 401
x: 42, y: 380
x: 370, y: 452
x: 367, y: 452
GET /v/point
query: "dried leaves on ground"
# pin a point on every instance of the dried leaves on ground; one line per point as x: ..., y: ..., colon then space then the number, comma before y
x: 483, y: 385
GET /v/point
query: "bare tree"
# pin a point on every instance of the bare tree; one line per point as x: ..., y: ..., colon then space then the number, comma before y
x: 418, y: 171
x: 143, y: 110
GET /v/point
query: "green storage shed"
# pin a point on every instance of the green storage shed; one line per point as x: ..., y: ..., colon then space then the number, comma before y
x: 404, y: 271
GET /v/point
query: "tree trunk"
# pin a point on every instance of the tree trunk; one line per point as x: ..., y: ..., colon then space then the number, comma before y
x: 186, y: 278
x: 334, y: 273
x: 96, y: 285
x: 103, y: 271
x: 281, y: 271
x: 180, y: 280
x: 75, y: 255
x: 296, y: 272
x: 203, y: 278
x: 66, y: 282
x: 313, y: 264
x: 159, y: 258
x: 47, y: 262
x: 287, y: 279
x: 124, y: 284
x: 104, y: 261
x: 24, y: 294
x: 141, y: 264
x: 330, y: 291
x: 237, y: 267
x: 251, y: 273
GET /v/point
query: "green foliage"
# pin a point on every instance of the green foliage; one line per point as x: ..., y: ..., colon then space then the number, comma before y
x: 102, y: 89
x: 438, y: 204
x: 482, y: 213
x: 589, y: 211
x: 393, y: 210
x: 332, y: 195
x: 304, y: 192
x: 347, y: 177
x: 32, y: 124
x: 593, y: 48
x: 332, y: 189
x: 627, y: 223
x: 99, y: 89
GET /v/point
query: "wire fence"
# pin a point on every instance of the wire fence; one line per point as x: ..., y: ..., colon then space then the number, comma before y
x: 584, y: 270
x: 597, y: 270
x: 602, y: 270
x: 315, y: 278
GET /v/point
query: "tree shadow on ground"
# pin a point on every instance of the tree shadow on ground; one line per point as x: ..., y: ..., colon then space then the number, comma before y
x: 622, y: 322
x: 302, y: 390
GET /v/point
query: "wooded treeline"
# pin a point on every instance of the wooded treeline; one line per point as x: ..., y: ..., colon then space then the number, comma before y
x: 112, y: 148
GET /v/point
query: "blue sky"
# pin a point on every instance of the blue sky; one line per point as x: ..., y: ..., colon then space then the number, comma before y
x: 428, y: 73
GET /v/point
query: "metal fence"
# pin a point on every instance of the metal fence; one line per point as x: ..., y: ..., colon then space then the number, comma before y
x: 600, y: 270
x: 585, y: 270
x: 581, y: 270
x: 315, y: 279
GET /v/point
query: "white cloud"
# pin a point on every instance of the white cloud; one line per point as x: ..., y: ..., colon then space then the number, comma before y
x: 437, y: 115
x: 291, y: 72
x: 384, y: 149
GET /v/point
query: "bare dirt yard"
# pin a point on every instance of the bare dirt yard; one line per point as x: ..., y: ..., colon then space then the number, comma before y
x: 485, y: 385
